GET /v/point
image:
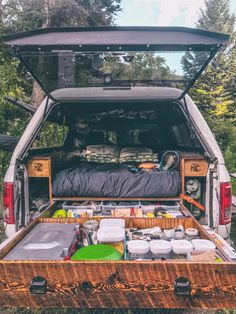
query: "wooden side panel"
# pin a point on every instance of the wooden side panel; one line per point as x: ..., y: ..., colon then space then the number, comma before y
x: 163, y: 223
x: 39, y: 168
x: 118, y: 285
x: 195, y: 168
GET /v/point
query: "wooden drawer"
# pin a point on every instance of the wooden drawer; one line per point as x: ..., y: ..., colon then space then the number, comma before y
x: 195, y: 168
x: 39, y: 168
x: 118, y: 284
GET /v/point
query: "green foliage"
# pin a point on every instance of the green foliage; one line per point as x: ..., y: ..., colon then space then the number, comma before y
x: 226, y: 137
x: 12, y: 119
x: 51, y: 135
x: 216, y: 17
x: 141, y: 66
x: 233, y: 186
x: 20, y: 15
x: 214, y: 90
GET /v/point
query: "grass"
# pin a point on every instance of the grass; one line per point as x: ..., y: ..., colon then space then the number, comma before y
x: 233, y: 186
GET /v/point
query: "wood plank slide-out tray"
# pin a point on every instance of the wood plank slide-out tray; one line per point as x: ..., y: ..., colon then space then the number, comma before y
x: 118, y: 284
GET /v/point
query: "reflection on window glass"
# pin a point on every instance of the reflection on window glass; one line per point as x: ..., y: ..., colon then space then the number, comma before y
x: 51, y: 135
x: 182, y: 135
x: 60, y: 69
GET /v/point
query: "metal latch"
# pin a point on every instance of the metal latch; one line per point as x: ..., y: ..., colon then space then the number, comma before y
x: 182, y: 286
x: 38, y: 285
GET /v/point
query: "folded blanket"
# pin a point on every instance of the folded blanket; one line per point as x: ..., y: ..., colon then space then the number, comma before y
x: 137, y: 154
x: 102, y: 154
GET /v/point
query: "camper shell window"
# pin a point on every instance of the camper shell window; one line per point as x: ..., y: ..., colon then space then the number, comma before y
x: 157, y: 125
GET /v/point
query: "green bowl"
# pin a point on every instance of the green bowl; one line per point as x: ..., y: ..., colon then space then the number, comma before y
x: 96, y: 252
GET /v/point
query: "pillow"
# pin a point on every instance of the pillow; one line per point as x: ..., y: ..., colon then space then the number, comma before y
x: 102, y: 154
x: 137, y: 154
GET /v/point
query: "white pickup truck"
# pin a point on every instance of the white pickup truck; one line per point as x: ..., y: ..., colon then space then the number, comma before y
x: 115, y: 97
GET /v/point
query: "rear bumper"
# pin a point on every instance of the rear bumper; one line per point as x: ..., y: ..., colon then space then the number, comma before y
x: 224, y: 230
x: 10, y: 229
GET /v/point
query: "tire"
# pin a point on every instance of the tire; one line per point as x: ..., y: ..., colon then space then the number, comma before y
x: 8, y: 143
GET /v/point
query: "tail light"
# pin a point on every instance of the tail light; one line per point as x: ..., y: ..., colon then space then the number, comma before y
x: 225, y: 203
x: 8, y: 203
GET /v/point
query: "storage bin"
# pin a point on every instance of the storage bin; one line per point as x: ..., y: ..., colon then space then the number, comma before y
x: 110, y: 234
x: 153, y: 282
x: 70, y: 205
x: 160, y: 249
x: 112, y: 223
x: 152, y: 207
x: 138, y: 249
x: 203, y: 245
x: 76, y: 211
x: 181, y: 246
x: 108, y: 206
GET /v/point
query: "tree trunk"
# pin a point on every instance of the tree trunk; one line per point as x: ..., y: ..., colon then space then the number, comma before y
x: 37, y: 95
x: 37, y: 92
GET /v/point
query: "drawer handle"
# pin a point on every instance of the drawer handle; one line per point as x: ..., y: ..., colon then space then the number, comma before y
x: 182, y: 287
x: 38, y: 285
x: 86, y: 286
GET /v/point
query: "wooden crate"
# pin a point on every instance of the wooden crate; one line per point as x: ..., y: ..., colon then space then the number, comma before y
x: 118, y: 284
x: 195, y: 168
x: 39, y: 168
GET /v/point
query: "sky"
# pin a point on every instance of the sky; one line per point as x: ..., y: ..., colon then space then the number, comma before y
x: 162, y: 12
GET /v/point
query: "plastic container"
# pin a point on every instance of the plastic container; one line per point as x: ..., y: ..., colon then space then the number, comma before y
x: 108, y: 206
x: 110, y: 234
x: 181, y: 246
x: 191, y: 233
x: 152, y: 205
x: 160, y: 249
x: 112, y: 223
x: 69, y: 206
x: 179, y: 232
x: 203, y: 245
x: 169, y: 234
x: 78, y: 213
x: 138, y: 249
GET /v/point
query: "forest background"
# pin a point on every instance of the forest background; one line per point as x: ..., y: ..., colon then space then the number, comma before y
x: 214, y: 92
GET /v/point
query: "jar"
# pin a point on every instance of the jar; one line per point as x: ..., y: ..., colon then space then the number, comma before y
x: 179, y: 232
x: 90, y: 229
x: 191, y: 234
x: 136, y: 235
x: 169, y: 234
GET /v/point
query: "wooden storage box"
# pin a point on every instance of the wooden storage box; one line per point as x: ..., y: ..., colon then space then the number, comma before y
x: 39, y: 167
x: 118, y: 284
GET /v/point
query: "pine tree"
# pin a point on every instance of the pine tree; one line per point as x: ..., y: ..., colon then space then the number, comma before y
x: 213, y: 91
x: 216, y: 17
